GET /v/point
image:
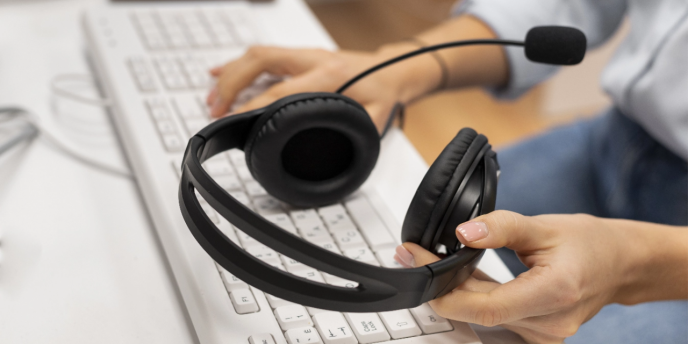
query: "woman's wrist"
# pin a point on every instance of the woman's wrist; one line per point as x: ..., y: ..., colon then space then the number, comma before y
x: 414, y: 77
x: 654, y: 262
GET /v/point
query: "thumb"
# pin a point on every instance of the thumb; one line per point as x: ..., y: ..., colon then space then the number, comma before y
x: 505, y: 229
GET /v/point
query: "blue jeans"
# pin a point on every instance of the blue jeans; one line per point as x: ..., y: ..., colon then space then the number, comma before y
x: 608, y: 167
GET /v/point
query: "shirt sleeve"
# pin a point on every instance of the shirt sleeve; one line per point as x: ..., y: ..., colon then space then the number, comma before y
x: 510, y: 19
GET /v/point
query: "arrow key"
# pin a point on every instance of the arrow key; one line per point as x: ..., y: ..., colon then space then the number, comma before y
x: 400, y: 324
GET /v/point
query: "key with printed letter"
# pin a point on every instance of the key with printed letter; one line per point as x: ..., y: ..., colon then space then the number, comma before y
x: 333, y: 328
x: 303, y: 335
x: 367, y: 327
x: 263, y: 338
x: 243, y: 301
x: 292, y: 316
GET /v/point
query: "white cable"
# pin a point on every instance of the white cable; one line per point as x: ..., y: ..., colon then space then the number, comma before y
x: 60, y: 91
x: 64, y: 147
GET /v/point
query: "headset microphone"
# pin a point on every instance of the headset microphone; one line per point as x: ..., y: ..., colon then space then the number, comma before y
x: 314, y: 149
x: 557, y: 45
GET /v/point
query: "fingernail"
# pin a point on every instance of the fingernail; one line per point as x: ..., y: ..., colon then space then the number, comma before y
x: 404, y: 257
x: 472, y: 231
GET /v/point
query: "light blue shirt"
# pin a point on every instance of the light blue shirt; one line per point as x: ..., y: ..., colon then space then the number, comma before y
x: 647, y: 77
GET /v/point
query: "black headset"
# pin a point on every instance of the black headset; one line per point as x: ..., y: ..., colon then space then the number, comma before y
x: 313, y: 149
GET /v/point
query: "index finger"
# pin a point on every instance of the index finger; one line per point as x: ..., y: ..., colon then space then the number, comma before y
x: 240, y: 73
x: 532, y: 293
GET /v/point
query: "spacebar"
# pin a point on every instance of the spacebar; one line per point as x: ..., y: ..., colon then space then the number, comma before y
x: 373, y: 229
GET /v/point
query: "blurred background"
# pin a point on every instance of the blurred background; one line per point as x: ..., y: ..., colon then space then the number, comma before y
x: 433, y: 121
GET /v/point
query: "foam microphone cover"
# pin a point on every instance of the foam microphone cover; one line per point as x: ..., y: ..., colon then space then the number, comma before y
x: 559, y: 45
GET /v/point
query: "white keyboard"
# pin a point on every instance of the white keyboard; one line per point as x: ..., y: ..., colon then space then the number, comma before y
x: 154, y: 62
x: 351, y: 228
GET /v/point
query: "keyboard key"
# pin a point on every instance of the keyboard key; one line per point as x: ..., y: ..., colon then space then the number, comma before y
x: 254, y: 189
x: 263, y: 338
x: 331, y: 209
x: 313, y: 311
x: 165, y: 127
x: 386, y: 258
x: 243, y: 301
x: 244, y: 173
x: 141, y: 73
x: 367, y: 327
x: 372, y: 228
x: 277, y: 265
x: 362, y: 254
x: 276, y: 302
x: 212, y: 214
x: 281, y: 220
x: 349, y: 239
x: 338, y: 281
x: 303, y: 335
x: 330, y: 246
x: 241, y: 197
x: 400, y: 324
x: 429, y: 321
x: 187, y: 107
x: 228, y: 230
x: 228, y: 182
x: 292, y: 316
x: 315, y: 233
x: 158, y: 110
x: 305, y: 217
x: 336, y: 218
x: 237, y: 157
x: 232, y: 283
x: 333, y: 328
x: 310, y: 274
x: 293, y: 265
x: 264, y: 253
x: 218, y: 166
x: 172, y: 142
x: 194, y: 125
x: 246, y: 240
x: 267, y: 205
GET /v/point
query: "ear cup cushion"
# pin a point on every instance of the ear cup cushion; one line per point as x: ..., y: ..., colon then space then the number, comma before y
x: 312, y: 149
x: 438, y: 187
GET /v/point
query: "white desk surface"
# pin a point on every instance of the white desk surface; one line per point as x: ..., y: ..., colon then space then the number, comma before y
x: 80, y: 260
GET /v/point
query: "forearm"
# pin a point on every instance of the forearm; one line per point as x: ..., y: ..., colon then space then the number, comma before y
x: 657, y: 262
x: 467, y: 66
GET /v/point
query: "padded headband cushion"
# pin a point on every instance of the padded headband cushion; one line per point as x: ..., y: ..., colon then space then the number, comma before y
x: 438, y: 188
x: 312, y: 149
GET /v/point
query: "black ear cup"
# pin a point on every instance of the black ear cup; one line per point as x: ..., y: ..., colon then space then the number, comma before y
x: 436, y: 206
x: 312, y: 149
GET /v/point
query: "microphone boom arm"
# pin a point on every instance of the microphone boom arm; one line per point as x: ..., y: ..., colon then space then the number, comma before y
x: 425, y: 50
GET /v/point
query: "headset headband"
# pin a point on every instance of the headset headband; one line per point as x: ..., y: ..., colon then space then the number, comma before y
x: 379, y: 289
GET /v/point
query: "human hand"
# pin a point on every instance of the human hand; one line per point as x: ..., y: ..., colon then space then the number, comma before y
x: 578, y: 264
x: 317, y: 70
